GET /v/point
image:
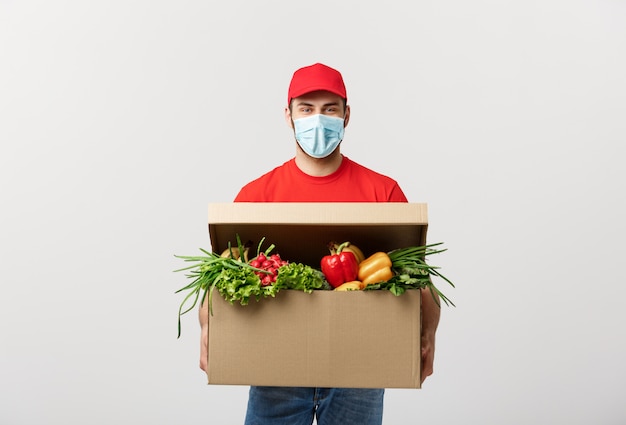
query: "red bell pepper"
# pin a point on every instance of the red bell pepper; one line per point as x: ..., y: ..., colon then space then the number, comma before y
x: 340, y: 266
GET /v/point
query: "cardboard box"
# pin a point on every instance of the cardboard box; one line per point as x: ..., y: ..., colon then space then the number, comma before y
x: 356, y: 339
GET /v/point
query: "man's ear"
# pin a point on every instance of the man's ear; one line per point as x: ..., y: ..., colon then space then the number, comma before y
x: 346, y: 118
x: 288, y: 117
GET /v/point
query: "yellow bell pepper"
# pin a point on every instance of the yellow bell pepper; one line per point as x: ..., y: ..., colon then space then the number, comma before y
x: 375, y: 269
x: 347, y: 246
x: 354, y: 285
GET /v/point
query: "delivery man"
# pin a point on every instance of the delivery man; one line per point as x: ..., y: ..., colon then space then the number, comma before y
x: 318, y: 112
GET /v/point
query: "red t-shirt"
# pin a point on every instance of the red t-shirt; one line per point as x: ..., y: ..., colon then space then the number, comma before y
x: 350, y: 183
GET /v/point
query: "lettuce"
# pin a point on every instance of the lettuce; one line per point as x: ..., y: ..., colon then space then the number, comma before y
x: 301, y: 277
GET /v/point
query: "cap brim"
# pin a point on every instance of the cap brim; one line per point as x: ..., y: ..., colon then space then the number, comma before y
x: 311, y: 89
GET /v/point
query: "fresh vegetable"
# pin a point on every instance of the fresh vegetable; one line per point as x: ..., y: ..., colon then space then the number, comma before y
x: 340, y: 266
x: 350, y: 247
x: 354, y: 285
x: 239, y: 280
x: 412, y: 272
x: 240, y: 284
x: 233, y: 252
x: 268, y: 265
x: 375, y: 269
x: 235, y: 280
x: 301, y: 277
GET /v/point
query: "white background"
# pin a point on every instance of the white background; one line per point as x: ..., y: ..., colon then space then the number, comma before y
x: 121, y: 120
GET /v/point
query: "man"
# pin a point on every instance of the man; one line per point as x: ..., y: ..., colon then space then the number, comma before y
x: 318, y: 112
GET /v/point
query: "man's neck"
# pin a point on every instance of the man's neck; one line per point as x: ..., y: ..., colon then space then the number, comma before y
x: 318, y: 167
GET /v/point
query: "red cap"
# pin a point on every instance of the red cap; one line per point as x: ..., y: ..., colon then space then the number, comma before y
x: 316, y: 77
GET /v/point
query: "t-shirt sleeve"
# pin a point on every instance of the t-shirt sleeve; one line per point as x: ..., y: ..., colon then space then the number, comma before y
x: 252, y: 191
x: 397, y: 195
x: 244, y: 195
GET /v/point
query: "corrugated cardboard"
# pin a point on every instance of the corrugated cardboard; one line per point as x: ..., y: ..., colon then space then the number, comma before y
x: 353, y: 339
x: 301, y: 231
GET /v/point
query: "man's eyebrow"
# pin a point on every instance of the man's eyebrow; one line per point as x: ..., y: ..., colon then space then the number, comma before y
x: 304, y: 103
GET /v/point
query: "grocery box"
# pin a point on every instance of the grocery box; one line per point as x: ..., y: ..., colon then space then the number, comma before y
x: 358, y: 339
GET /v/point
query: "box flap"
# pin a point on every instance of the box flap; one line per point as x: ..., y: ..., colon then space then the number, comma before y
x: 302, y: 231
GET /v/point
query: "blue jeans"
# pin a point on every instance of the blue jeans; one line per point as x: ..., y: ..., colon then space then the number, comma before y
x: 330, y: 406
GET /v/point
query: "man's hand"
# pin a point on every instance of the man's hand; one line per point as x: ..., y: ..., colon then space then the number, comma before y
x: 431, y: 312
x: 428, y: 354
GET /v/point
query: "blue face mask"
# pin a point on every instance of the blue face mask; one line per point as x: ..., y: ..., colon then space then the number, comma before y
x: 319, y: 135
